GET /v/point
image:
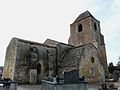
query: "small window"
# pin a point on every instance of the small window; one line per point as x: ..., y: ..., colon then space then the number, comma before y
x: 92, y: 59
x: 95, y: 26
x: 80, y: 28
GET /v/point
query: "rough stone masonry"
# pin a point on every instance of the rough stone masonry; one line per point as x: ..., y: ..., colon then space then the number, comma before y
x: 30, y: 62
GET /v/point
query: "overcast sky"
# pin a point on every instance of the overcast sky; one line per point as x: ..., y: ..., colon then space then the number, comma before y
x: 37, y: 20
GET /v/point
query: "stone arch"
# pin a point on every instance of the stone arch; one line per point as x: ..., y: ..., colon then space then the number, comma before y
x: 40, y: 72
x: 95, y: 26
x: 80, y: 28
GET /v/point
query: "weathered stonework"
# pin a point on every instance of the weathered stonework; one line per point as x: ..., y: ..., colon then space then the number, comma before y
x: 89, y: 32
x: 25, y: 64
x: 79, y: 58
x: 9, y: 65
x: 30, y: 62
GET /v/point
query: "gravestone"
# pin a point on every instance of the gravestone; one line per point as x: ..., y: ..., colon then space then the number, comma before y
x: 71, y: 76
x: 116, y: 75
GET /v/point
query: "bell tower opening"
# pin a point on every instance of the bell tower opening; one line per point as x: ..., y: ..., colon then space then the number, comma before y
x: 80, y: 28
x: 95, y: 26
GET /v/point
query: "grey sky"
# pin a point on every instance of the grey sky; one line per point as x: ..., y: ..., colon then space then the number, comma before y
x: 37, y: 20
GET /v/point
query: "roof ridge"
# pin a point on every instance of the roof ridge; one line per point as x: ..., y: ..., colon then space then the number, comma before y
x: 83, y: 16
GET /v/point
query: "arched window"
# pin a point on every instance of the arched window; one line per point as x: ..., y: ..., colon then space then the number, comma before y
x: 39, y: 68
x: 80, y: 28
x: 92, y: 59
x: 95, y: 26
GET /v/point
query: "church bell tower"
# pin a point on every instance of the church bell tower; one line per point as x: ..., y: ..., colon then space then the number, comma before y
x: 86, y: 29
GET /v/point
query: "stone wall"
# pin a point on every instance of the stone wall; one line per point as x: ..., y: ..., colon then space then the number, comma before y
x: 10, y: 60
x: 90, y: 65
x: 47, y: 86
x: 90, y: 33
x: 86, y: 60
x: 84, y: 37
x: 46, y: 57
x: 29, y: 87
x: 23, y: 57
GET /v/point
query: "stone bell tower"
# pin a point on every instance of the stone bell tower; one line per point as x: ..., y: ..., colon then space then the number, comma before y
x: 86, y: 29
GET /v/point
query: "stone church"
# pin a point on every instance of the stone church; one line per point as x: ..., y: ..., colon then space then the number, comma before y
x: 30, y: 62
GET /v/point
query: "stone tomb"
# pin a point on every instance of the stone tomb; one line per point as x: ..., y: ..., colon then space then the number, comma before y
x: 73, y: 76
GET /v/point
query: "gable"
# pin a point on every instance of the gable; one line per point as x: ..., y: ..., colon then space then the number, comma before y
x: 50, y: 42
x: 73, y: 56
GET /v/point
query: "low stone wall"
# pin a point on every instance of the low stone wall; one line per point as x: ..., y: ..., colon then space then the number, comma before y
x: 38, y: 87
x: 29, y: 87
x: 50, y: 86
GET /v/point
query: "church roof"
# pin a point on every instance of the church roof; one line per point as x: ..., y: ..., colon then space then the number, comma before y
x: 83, y: 16
x: 53, y: 43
